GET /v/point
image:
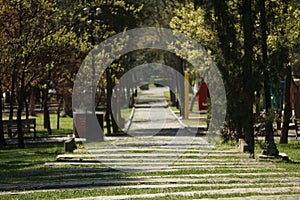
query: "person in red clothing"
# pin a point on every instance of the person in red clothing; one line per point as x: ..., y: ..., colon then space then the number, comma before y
x: 203, y: 95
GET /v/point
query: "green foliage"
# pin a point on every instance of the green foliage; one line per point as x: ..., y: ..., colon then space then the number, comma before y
x: 55, y: 36
x: 190, y: 21
x: 219, y: 27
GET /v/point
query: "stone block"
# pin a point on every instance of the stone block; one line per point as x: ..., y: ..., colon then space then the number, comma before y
x: 70, y: 145
x: 243, y: 146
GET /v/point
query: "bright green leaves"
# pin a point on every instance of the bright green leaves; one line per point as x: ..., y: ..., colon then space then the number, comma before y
x: 191, y: 22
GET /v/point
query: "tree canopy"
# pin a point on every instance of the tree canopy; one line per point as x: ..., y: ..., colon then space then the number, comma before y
x: 255, y: 45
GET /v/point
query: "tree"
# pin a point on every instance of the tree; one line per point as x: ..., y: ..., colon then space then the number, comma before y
x: 286, y: 41
x: 26, y: 26
x: 93, y: 22
x: 233, y: 23
x: 264, y: 55
x: 269, y: 138
x: 247, y: 24
x: 2, y: 139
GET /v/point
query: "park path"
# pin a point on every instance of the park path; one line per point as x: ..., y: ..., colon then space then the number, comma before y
x: 157, y: 167
x: 152, y: 114
x: 199, y: 172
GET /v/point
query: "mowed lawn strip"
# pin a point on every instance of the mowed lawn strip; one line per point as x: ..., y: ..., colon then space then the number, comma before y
x: 27, y: 166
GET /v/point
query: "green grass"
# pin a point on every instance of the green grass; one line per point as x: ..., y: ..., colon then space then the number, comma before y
x: 121, y: 191
x: 75, y: 193
x: 196, y: 122
x: 65, y: 123
x: 15, y: 161
x: 28, y: 165
x: 292, y: 150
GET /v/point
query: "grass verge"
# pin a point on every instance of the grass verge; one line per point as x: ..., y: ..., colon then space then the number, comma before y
x: 22, y: 166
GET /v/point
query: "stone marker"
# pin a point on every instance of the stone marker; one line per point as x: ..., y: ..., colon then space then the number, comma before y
x: 243, y: 146
x: 70, y: 145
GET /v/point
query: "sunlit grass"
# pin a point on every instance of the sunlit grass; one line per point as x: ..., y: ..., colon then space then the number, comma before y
x: 28, y: 165
x: 65, y: 124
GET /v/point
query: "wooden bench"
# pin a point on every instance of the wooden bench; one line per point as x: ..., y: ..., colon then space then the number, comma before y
x: 10, y: 126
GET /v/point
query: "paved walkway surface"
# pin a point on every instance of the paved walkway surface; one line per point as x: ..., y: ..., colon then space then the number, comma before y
x: 152, y: 114
x: 153, y: 164
x: 133, y: 172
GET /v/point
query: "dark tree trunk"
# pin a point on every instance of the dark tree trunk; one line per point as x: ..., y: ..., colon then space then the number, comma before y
x: 47, y: 124
x: 172, y: 82
x: 2, y: 139
x: 115, y: 125
x: 32, y: 101
x: 172, y: 98
x: 12, y: 95
x: 21, y: 98
x: 287, y: 108
x: 58, y: 113
x: 67, y: 108
x: 247, y: 74
x: 270, y: 147
x: 230, y: 48
x: 116, y: 115
x: 287, y: 93
x: 180, y: 84
x: 26, y: 109
x: 108, y: 100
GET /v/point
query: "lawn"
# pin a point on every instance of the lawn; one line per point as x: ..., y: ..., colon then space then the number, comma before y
x: 292, y: 150
x: 65, y: 123
x: 28, y: 165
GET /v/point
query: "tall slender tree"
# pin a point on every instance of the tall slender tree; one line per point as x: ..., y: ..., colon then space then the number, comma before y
x: 271, y: 148
x: 248, y: 23
x: 2, y: 139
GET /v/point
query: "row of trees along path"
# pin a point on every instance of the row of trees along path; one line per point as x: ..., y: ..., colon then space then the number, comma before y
x: 254, y: 44
x: 157, y: 166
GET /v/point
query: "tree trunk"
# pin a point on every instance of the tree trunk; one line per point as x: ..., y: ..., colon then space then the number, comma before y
x: 12, y: 95
x: 46, y: 113
x: 32, y: 101
x: 180, y: 84
x: 2, y: 139
x: 173, y: 89
x: 67, y: 105
x: 115, y: 125
x: 287, y: 92
x: 247, y: 74
x: 116, y: 112
x: 26, y: 108
x: 270, y: 146
x: 108, y: 100
x: 287, y: 108
x: 58, y: 113
x: 21, y: 97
